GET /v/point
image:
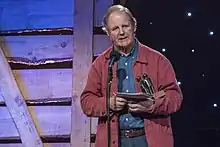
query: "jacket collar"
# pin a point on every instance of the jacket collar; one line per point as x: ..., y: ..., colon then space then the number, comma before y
x: 141, y: 57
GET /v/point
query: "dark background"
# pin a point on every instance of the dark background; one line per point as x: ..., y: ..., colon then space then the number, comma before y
x: 198, y: 122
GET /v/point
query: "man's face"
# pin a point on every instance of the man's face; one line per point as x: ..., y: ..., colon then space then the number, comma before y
x: 120, y: 30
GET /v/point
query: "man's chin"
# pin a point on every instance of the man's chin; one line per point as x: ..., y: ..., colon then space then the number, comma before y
x: 124, y: 45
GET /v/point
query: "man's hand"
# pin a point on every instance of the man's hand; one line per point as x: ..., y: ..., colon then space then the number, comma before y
x: 144, y: 106
x: 117, y: 103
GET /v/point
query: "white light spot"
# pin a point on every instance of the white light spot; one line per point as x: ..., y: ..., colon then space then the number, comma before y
x: 151, y: 23
x: 215, y: 105
x: 126, y: 63
x: 126, y: 119
x: 127, y: 77
x: 211, y: 33
x: 127, y: 90
x: 189, y: 14
x: 163, y: 50
x: 179, y: 83
x: 193, y: 50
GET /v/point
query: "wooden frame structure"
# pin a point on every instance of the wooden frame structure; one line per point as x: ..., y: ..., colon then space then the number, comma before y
x: 40, y: 89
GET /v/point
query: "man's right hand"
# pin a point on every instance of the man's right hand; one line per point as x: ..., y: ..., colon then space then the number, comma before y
x: 117, y: 103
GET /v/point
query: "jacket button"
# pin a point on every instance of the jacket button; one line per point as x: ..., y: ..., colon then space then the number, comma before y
x: 113, y: 142
x: 113, y: 120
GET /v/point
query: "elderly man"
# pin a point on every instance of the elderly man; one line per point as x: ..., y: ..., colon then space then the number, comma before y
x: 145, y: 124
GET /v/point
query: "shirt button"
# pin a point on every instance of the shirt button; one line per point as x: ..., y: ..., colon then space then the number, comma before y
x: 127, y: 90
x: 113, y: 120
x: 113, y: 142
x: 126, y: 63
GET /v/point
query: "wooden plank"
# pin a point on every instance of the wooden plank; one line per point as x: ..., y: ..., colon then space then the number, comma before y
x: 35, y: 14
x: 36, y: 48
x: 16, y: 106
x: 82, y: 59
x: 101, y: 7
x: 49, y: 120
x: 46, y: 102
x: 44, y: 83
x: 45, y: 139
x: 37, y: 32
x: 45, y: 144
x: 101, y: 43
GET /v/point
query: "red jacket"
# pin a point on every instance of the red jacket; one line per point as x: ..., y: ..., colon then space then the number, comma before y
x: 168, y: 96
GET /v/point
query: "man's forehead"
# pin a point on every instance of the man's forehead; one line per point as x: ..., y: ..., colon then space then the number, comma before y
x: 118, y: 14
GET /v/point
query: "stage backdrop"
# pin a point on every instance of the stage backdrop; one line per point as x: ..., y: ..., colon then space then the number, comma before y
x: 45, y: 55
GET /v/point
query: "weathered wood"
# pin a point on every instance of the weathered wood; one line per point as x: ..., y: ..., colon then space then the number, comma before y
x: 36, y: 48
x: 44, y: 83
x: 35, y: 32
x: 46, y: 31
x: 101, y: 7
x: 45, y: 144
x: 82, y: 60
x: 49, y: 120
x: 56, y: 65
x: 101, y: 43
x: 45, y: 139
x: 16, y: 106
x: 46, y: 102
x: 35, y: 14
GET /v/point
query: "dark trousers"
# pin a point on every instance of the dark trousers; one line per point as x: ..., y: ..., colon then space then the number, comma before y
x: 139, y: 141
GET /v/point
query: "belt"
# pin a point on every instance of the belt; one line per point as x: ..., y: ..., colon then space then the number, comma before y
x: 132, y: 133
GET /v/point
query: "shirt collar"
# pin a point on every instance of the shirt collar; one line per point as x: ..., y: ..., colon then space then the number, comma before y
x: 141, y: 53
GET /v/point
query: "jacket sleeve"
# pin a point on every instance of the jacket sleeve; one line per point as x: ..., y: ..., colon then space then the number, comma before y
x: 168, y: 98
x: 92, y: 101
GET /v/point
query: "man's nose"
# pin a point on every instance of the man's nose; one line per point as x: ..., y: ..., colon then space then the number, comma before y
x: 121, y: 31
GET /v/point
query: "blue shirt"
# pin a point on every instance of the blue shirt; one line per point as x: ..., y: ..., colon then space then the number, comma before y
x: 126, y: 83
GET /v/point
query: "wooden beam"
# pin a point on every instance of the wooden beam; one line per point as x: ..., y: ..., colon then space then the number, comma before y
x: 49, y: 120
x: 46, y: 102
x: 34, y: 32
x: 56, y: 65
x: 100, y: 8
x: 16, y: 106
x: 45, y: 139
x: 43, y: 32
x: 82, y: 60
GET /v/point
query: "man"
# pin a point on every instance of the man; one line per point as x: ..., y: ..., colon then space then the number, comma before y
x: 132, y: 124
